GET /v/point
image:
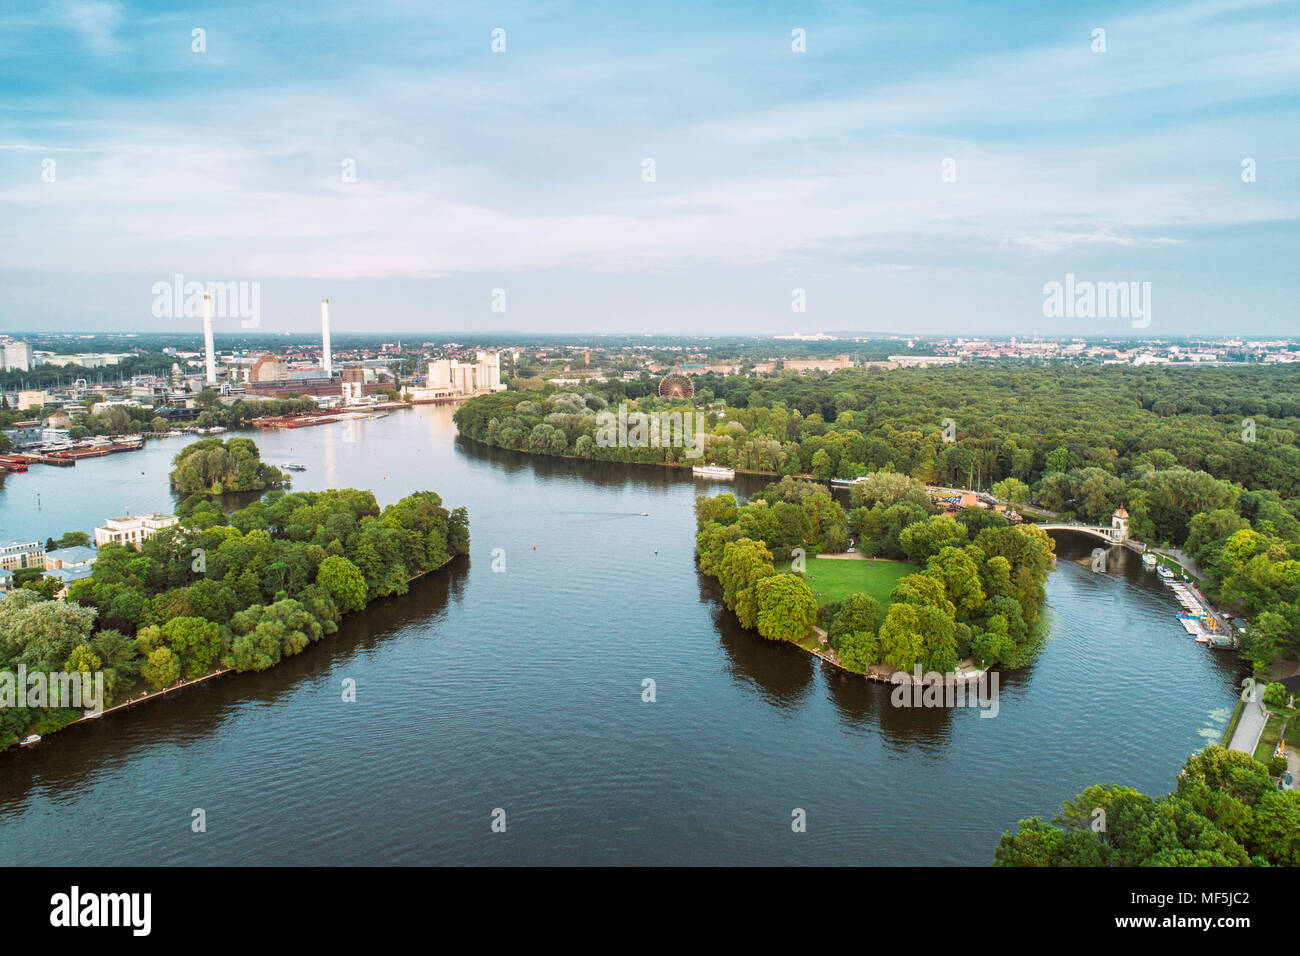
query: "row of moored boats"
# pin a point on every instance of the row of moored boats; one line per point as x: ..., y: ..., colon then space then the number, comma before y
x: 1195, y: 618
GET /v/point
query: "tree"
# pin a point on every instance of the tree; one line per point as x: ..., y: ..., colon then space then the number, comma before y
x: 857, y: 650
x: 458, y: 531
x: 344, y: 581
x: 744, y: 563
x: 888, y: 488
x: 44, y: 586
x: 858, y: 614
x: 1225, y: 811
x: 82, y: 658
x: 918, y: 634
x: 959, y: 570
x: 925, y: 538
x: 195, y: 641
x: 787, y: 607
x: 265, y: 634
x: 1011, y: 489
x: 1275, y: 695
x: 39, y: 633
x: 161, y: 669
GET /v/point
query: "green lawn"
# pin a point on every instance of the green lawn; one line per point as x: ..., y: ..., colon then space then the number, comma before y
x: 833, y: 580
x: 1269, y: 738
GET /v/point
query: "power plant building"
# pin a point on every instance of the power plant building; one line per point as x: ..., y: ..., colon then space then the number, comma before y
x: 449, y: 378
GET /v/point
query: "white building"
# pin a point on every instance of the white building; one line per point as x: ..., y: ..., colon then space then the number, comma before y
x: 22, y: 554
x: 77, y: 556
x: 451, y: 378
x: 17, y: 357
x: 133, y: 530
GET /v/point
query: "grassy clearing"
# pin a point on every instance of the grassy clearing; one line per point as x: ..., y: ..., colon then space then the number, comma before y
x: 833, y: 580
x: 1269, y: 738
x: 809, y: 642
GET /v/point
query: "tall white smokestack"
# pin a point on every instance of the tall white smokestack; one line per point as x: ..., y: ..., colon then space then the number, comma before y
x: 326, y: 364
x: 207, y: 339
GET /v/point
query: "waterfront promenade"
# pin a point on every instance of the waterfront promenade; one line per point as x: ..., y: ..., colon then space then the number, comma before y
x: 1253, y: 718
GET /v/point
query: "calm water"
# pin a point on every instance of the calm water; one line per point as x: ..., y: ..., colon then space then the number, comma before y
x: 521, y: 690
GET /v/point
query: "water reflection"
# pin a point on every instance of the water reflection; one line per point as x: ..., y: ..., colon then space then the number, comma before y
x: 522, y: 688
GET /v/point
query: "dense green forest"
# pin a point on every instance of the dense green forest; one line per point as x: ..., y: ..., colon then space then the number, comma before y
x: 238, y: 592
x: 1225, y: 811
x: 977, y: 593
x: 1203, y: 459
x: 215, y: 467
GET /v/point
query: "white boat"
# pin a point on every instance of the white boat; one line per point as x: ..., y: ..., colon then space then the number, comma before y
x: 30, y: 740
x: 1165, y: 573
x: 713, y: 471
x: 293, y: 466
x: 1149, y: 561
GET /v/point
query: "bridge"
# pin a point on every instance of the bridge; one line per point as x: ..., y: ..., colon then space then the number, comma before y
x: 1104, y: 531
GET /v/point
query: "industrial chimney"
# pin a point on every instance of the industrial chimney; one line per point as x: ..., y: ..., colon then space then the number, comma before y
x: 326, y: 365
x: 207, y: 339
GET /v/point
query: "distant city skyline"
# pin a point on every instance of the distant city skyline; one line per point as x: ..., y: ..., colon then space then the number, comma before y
x: 911, y: 171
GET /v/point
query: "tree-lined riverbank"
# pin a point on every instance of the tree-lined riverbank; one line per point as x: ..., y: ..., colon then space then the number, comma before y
x: 460, y: 709
x: 231, y: 592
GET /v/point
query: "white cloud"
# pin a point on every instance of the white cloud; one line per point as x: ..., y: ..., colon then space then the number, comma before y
x: 96, y: 22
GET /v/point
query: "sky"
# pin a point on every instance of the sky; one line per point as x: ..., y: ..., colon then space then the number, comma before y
x: 914, y: 168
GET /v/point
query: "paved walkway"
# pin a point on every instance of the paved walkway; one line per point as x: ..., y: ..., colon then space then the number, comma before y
x: 1246, y: 737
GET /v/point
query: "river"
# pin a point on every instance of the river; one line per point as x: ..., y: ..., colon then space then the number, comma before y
x: 521, y: 689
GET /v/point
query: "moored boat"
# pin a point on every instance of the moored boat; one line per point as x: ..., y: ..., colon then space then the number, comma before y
x: 713, y: 471
x: 29, y: 740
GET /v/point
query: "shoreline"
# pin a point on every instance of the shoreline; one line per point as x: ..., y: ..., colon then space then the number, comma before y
x: 672, y: 466
x: 880, y: 672
x: 187, y: 684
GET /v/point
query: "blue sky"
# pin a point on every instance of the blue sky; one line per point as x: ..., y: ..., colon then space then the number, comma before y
x: 774, y: 170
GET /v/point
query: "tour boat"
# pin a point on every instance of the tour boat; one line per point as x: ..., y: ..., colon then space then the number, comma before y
x: 1149, y: 561
x: 713, y: 471
x: 293, y: 466
x: 29, y: 740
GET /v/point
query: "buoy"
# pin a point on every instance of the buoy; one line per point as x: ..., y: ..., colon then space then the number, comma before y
x: 534, y: 547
